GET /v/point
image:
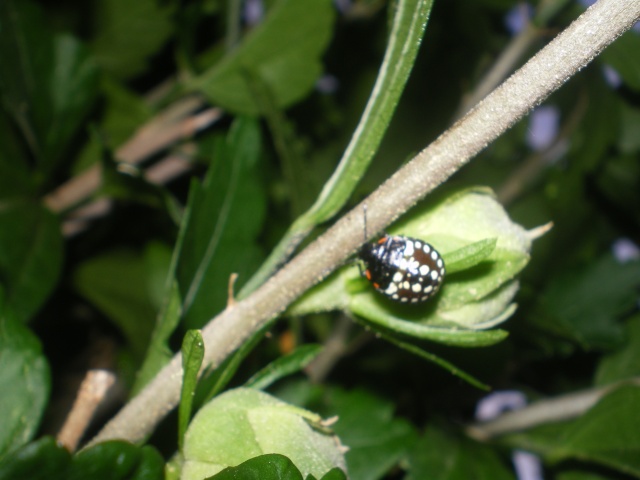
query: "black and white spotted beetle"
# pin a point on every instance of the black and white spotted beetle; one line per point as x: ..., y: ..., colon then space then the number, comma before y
x: 404, y: 269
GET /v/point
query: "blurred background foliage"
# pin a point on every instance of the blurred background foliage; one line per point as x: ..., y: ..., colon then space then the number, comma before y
x: 160, y: 95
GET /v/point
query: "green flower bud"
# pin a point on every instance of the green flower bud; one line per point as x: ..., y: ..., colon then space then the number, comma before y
x: 243, y: 423
x: 483, y: 251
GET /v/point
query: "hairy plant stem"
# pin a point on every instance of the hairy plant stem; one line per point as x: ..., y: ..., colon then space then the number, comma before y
x: 574, y: 48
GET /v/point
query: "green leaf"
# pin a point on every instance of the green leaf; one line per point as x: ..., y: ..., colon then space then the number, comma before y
x: 376, y: 439
x: 116, y: 460
x: 283, y: 51
x: 608, y: 434
x: 222, y: 375
x: 283, y: 366
x: 225, y: 215
x: 40, y: 460
x: 625, y: 362
x: 30, y: 257
x: 48, y: 82
x: 334, y: 474
x: 264, y: 467
x: 243, y: 423
x: 583, y: 306
x: 408, y: 27
x: 192, y: 355
x: 15, y: 179
x: 25, y: 375
x: 619, y: 178
x: 444, y: 456
x: 119, y: 283
x: 128, y: 34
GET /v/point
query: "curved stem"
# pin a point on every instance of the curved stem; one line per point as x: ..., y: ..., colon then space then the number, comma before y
x: 405, y: 37
x: 574, y: 48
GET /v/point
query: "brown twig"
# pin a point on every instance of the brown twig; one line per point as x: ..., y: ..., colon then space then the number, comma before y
x: 176, y: 123
x: 92, y: 391
x: 574, y: 48
x: 334, y: 349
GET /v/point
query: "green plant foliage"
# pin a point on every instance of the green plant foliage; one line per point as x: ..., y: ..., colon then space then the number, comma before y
x: 583, y: 307
x: 128, y: 34
x: 291, y: 39
x: 121, y: 285
x: 25, y: 373
x: 45, y: 459
x: 462, y: 458
x: 49, y: 82
x: 14, y: 171
x: 219, y: 240
x: 608, y: 434
x: 30, y: 257
x: 254, y: 125
x: 271, y: 467
x: 243, y: 423
x: 268, y: 467
x: 377, y: 439
x: 625, y: 362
